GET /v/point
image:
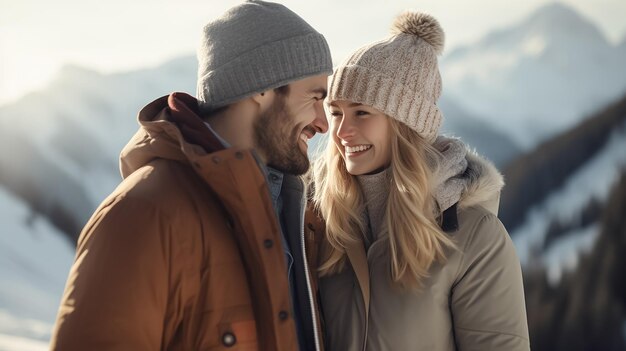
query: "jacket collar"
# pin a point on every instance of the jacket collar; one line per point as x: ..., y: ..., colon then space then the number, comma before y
x: 170, y: 128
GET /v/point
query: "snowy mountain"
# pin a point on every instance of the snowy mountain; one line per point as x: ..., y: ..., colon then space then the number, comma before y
x: 59, y: 147
x: 522, y: 90
x: 590, y: 184
x: 58, y: 159
x: 477, y: 133
x: 584, y: 311
x: 622, y: 46
x: 532, y: 177
x: 539, y: 77
x: 34, y: 261
x: 564, y: 207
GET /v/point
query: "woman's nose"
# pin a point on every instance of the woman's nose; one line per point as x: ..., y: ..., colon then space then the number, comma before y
x: 345, y: 129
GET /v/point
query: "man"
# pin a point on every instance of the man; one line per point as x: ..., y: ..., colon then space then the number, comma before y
x: 202, y: 245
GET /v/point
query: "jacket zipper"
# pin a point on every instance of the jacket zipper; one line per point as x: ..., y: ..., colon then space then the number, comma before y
x: 308, y: 279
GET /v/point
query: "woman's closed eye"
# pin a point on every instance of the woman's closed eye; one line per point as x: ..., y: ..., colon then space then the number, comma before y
x: 362, y: 113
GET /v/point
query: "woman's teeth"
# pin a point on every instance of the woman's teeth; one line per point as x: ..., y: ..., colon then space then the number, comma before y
x: 358, y: 148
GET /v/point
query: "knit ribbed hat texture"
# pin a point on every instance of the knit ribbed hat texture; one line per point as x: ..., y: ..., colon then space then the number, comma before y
x: 398, y: 75
x: 254, y: 47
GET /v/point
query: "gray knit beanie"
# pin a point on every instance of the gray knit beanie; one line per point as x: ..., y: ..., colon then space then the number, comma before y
x: 254, y: 47
x: 398, y: 75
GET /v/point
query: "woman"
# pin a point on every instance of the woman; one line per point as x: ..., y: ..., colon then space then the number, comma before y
x: 414, y: 256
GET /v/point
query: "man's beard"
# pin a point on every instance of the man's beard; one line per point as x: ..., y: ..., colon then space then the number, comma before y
x: 278, y: 138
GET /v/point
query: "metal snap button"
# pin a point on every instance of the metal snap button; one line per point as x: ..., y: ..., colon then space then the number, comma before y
x: 283, y: 315
x: 229, y: 339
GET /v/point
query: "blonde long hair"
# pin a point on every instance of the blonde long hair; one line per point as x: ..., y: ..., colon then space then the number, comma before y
x: 416, y: 240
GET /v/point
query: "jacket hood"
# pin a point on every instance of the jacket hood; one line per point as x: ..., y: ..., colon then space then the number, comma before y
x: 467, y: 178
x: 170, y: 128
x: 483, y: 183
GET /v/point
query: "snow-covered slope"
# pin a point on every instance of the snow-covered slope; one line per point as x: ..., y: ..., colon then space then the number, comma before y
x: 59, y: 147
x: 622, y: 46
x: 34, y: 261
x: 58, y: 159
x: 564, y: 205
x: 539, y: 77
x: 592, y: 182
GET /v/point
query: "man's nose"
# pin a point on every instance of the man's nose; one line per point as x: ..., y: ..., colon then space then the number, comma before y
x: 320, y: 123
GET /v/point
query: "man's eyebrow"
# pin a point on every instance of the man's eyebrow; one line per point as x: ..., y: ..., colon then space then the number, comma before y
x: 321, y: 91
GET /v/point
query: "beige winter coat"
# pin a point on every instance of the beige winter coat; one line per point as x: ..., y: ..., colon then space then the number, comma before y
x: 474, y: 301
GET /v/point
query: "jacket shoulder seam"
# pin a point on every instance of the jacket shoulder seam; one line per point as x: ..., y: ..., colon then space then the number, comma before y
x: 493, y: 332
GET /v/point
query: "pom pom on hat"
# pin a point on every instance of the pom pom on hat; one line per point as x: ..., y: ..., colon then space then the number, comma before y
x: 421, y: 25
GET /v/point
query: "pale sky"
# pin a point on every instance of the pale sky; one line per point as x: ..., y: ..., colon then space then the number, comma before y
x: 37, y: 37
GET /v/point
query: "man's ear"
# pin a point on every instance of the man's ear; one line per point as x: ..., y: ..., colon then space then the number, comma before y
x: 264, y: 100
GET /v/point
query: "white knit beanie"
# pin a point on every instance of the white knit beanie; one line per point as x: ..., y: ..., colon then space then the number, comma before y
x: 398, y: 75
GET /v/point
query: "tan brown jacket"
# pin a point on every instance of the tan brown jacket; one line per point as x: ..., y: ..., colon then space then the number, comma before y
x: 185, y: 254
x: 474, y: 301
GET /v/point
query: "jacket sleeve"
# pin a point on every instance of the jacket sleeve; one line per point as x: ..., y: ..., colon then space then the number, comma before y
x: 116, y: 293
x: 487, y: 298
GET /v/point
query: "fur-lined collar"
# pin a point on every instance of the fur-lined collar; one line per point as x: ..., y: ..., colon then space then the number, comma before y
x: 483, y: 183
x: 464, y: 178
